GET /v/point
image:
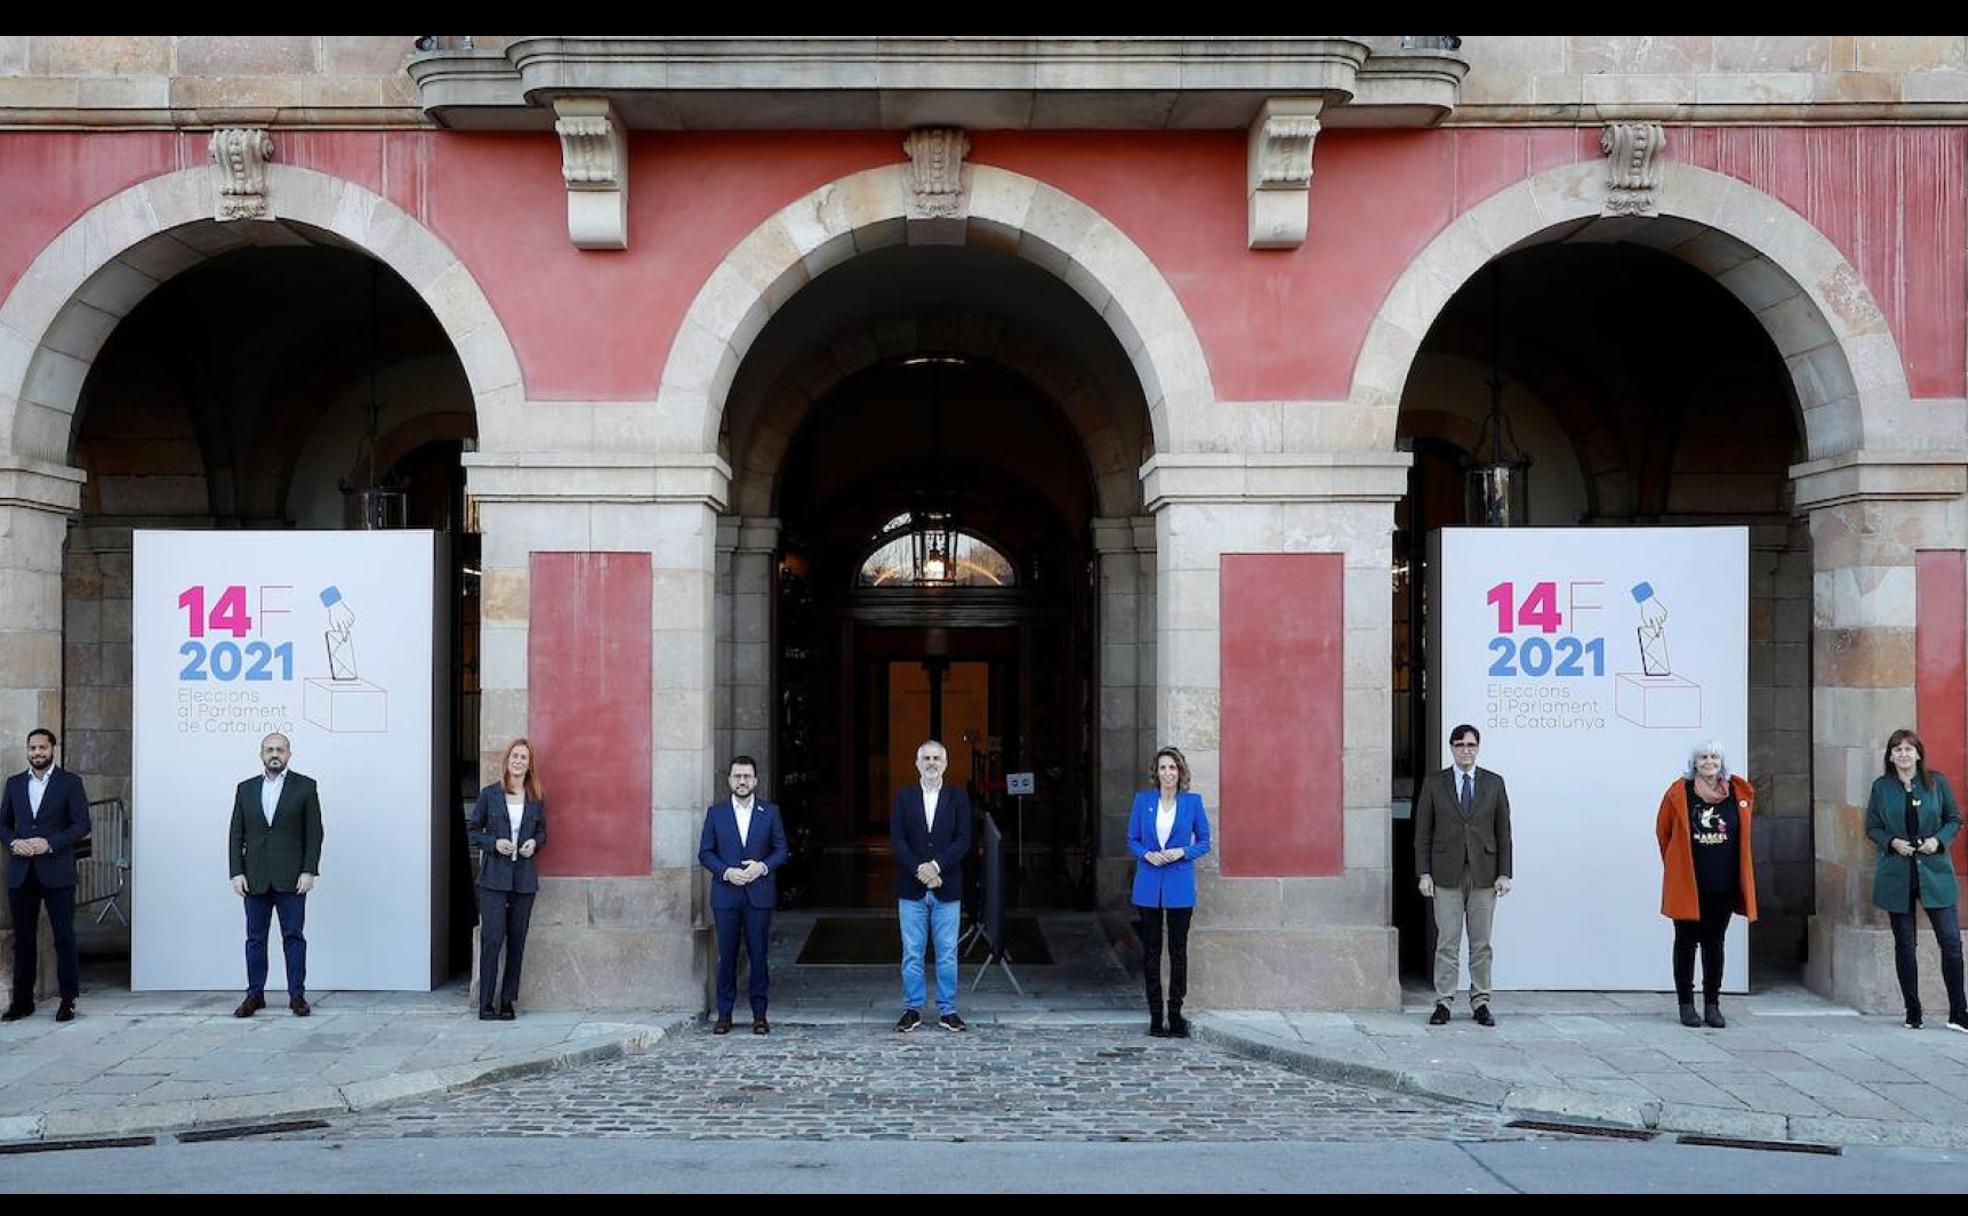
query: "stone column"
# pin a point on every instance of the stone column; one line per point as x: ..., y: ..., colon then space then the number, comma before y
x: 753, y: 672
x: 36, y: 500
x: 614, y: 941
x: 1870, y: 514
x: 1306, y: 942
x: 1124, y: 551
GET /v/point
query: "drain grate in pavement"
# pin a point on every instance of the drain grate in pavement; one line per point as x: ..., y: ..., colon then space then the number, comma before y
x: 1582, y: 1129
x: 64, y: 1146
x: 252, y: 1129
x: 1763, y: 1146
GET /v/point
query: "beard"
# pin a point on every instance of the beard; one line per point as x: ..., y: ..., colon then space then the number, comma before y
x: 40, y: 764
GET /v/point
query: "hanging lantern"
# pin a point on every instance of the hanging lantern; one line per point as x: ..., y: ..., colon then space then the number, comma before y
x: 1496, y: 475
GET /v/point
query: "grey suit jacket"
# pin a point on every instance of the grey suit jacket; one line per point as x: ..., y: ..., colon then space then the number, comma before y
x: 1453, y: 848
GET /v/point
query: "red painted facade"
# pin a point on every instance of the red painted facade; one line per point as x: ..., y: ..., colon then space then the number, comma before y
x: 1940, y: 644
x: 1283, y: 707
x: 588, y: 705
x: 1275, y: 325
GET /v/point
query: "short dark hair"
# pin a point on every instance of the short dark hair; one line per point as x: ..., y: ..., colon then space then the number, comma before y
x: 1465, y: 729
x: 42, y: 730
x: 747, y: 761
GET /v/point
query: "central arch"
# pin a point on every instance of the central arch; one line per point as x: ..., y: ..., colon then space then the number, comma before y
x: 870, y: 210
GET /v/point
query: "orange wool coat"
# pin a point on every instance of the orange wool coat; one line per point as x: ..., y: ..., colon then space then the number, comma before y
x: 1679, y: 898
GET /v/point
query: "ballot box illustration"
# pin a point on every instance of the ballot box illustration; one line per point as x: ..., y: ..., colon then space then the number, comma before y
x: 344, y: 702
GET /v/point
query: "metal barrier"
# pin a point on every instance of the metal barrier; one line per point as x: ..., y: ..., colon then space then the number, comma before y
x: 102, y: 867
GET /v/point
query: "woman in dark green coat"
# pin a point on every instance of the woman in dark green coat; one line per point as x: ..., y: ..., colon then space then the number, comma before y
x: 1913, y: 818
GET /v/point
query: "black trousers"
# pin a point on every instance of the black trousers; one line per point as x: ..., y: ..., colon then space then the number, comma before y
x: 25, y: 901
x: 1708, y: 933
x: 1947, y: 932
x: 502, y: 920
x: 1151, y: 954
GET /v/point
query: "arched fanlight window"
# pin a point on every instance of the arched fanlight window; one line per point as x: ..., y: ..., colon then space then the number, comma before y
x: 925, y: 549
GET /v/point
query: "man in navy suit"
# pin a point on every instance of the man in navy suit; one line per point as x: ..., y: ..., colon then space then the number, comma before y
x: 44, y: 814
x: 930, y: 830
x: 743, y: 846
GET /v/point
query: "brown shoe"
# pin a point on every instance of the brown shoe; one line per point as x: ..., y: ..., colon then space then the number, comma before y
x: 253, y: 1003
x: 299, y: 1005
x: 722, y: 1025
x: 759, y: 1025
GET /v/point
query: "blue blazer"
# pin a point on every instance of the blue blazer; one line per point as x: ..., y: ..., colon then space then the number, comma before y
x: 489, y: 822
x: 915, y: 843
x: 63, y: 823
x: 719, y: 850
x: 1172, y: 885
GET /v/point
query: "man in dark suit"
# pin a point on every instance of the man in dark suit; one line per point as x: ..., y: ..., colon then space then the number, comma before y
x: 274, y: 853
x: 929, y: 828
x: 1462, y: 852
x: 44, y: 814
x: 743, y: 846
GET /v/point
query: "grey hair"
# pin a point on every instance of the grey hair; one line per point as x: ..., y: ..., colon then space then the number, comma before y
x: 1703, y: 748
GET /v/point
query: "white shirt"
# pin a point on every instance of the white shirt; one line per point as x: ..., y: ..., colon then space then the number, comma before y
x: 270, y: 794
x: 929, y: 806
x: 743, y: 810
x: 37, y: 789
x: 515, y: 808
x: 1164, y: 822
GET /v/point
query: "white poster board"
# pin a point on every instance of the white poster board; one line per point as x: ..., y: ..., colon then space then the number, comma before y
x: 326, y: 637
x: 1592, y: 660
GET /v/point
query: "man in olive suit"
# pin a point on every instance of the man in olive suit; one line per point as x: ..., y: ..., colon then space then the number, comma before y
x: 274, y: 852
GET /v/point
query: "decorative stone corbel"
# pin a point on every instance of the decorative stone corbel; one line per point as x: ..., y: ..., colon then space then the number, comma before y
x: 1633, y: 166
x: 240, y: 155
x: 937, y: 205
x: 594, y: 162
x: 1280, y: 177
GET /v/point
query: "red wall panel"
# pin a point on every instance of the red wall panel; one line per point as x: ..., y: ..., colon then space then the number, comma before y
x: 1283, y: 630
x: 588, y: 689
x: 1940, y: 646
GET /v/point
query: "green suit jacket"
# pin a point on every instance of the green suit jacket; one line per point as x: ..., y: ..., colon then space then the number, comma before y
x: 274, y: 856
x: 1939, y: 817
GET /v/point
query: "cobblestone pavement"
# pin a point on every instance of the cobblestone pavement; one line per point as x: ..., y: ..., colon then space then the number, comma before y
x: 992, y: 1084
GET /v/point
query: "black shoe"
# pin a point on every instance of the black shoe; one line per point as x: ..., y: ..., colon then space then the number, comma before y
x: 951, y: 1021
x: 1712, y: 1016
x: 253, y: 1003
x: 1440, y: 1017
x: 910, y: 1020
x: 17, y: 1011
x: 1912, y: 1019
x: 1483, y: 1017
x: 760, y: 1025
x: 1155, y: 1028
x: 722, y: 1025
x: 488, y: 1015
x: 1688, y: 1015
x: 1178, y: 1026
x: 507, y: 1013
x: 1958, y: 1020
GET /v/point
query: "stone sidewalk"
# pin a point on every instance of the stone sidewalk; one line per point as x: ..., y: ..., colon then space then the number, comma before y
x: 132, y: 1063
x: 1791, y: 1066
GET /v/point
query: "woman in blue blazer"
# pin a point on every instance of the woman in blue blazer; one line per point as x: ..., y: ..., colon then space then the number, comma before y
x: 1167, y: 832
x: 509, y: 825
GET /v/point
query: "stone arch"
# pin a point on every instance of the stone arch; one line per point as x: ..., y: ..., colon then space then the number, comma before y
x: 783, y: 407
x: 1830, y: 333
x: 871, y: 209
x: 58, y: 315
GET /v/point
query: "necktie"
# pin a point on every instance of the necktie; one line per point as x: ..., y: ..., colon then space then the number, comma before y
x: 1468, y: 793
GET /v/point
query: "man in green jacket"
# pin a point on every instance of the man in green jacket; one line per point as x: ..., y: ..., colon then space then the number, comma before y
x: 274, y: 852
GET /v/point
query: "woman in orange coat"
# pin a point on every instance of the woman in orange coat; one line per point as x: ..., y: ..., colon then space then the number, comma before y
x: 1707, y: 874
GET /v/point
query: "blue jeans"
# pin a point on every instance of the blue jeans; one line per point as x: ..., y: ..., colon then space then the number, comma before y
x: 921, y: 917
x: 259, y: 918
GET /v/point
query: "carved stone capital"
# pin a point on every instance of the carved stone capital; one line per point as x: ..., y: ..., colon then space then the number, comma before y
x: 1633, y: 175
x: 240, y: 155
x: 1280, y: 171
x: 936, y: 156
x: 594, y: 164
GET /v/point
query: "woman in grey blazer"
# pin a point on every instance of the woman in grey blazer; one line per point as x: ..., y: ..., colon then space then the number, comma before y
x: 508, y: 824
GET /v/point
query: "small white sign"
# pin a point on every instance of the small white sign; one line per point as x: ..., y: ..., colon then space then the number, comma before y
x: 1019, y: 783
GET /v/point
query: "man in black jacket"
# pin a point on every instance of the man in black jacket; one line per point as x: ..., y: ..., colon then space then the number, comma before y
x: 44, y: 814
x: 929, y: 828
x: 274, y: 853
